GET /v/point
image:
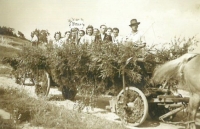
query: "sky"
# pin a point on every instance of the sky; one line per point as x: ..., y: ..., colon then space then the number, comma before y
x: 161, y: 20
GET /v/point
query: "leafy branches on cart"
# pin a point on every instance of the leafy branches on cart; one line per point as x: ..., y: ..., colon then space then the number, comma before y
x: 95, y: 68
x: 168, y: 51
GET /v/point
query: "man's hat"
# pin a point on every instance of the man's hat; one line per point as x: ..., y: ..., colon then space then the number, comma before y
x: 134, y: 22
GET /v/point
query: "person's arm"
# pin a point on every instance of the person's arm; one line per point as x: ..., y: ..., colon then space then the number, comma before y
x: 141, y: 45
x: 142, y: 42
x: 125, y: 39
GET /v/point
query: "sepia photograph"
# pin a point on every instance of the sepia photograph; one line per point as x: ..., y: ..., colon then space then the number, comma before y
x: 99, y: 64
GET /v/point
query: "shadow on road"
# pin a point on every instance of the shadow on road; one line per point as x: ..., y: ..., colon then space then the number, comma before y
x: 56, y: 98
x: 150, y: 123
x: 102, y: 102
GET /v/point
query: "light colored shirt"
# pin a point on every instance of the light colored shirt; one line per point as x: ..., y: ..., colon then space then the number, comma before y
x: 64, y: 40
x: 135, y: 37
x: 117, y: 39
x: 102, y: 36
x: 34, y: 39
x: 58, y: 43
x: 87, y: 39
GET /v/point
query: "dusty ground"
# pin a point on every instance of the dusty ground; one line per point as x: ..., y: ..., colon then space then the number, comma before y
x: 100, y: 111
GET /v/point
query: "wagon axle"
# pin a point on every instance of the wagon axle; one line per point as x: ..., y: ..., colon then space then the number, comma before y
x: 163, y: 106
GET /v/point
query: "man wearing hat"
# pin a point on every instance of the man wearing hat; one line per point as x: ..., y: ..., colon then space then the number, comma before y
x: 135, y: 36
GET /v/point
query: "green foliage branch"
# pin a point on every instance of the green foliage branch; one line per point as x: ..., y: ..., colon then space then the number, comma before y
x: 97, y: 67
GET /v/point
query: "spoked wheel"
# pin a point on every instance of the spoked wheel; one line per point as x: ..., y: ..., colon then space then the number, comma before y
x: 132, y: 108
x: 68, y: 93
x: 42, y: 84
x: 28, y: 74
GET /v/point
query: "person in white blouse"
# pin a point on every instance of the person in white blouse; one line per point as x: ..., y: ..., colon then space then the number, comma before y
x: 88, y: 38
x: 116, y: 38
x: 57, y: 42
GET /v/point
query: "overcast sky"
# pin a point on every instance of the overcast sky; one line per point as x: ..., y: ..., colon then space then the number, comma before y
x: 160, y: 19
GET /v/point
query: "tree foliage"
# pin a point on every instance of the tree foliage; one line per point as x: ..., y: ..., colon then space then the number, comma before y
x: 21, y: 35
x: 7, y: 31
x: 41, y: 35
x: 98, y: 66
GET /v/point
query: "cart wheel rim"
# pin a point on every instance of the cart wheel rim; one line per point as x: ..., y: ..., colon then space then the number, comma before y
x: 137, y: 115
x: 42, y: 84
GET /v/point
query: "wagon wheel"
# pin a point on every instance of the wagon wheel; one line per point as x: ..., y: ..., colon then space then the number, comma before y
x: 68, y: 93
x: 136, y: 110
x: 19, y: 76
x: 25, y: 74
x: 42, y: 83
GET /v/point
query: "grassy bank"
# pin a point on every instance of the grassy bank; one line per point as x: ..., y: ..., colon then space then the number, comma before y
x: 13, y: 41
x: 7, y: 52
x: 40, y: 113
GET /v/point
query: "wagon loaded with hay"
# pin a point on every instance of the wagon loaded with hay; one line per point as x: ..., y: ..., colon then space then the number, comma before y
x: 97, y: 68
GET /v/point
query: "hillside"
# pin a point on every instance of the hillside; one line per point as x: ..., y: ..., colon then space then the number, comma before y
x: 9, y: 47
x: 13, y: 41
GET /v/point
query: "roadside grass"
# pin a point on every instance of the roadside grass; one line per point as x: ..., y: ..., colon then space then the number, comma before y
x: 4, y: 124
x: 39, y: 112
x: 6, y: 52
x: 5, y: 69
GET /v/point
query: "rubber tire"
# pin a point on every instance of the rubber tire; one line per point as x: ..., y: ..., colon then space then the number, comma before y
x: 40, y: 90
x: 145, y: 106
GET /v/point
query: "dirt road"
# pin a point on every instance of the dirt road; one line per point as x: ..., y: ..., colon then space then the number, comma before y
x: 99, y: 111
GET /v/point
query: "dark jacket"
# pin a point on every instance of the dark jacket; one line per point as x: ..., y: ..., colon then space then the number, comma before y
x: 106, y: 39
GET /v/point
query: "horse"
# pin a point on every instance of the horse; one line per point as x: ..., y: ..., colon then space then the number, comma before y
x: 186, y: 70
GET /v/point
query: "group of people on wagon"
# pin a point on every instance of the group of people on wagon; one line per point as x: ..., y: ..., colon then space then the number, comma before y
x: 102, y: 35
